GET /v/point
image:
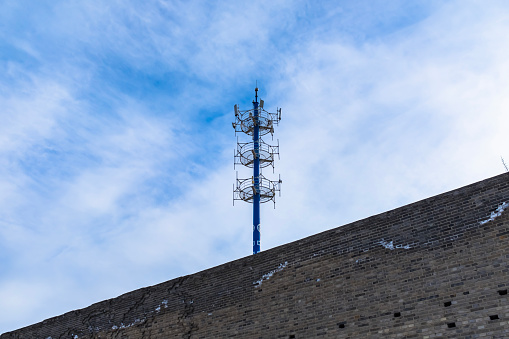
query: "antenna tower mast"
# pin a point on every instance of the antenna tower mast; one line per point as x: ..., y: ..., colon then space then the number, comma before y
x: 256, y: 154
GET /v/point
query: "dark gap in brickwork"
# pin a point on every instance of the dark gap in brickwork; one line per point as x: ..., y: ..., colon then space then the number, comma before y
x: 465, y: 293
x: 502, y: 292
x: 447, y: 304
x: 494, y: 317
x: 341, y: 325
x: 397, y: 314
x: 451, y: 325
x: 291, y: 336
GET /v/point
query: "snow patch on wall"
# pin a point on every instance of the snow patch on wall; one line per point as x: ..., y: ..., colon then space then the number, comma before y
x: 390, y: 245
x: 163, y: 303
x: 495, y: 214
x: 137, y: 321
x: 270, y: 274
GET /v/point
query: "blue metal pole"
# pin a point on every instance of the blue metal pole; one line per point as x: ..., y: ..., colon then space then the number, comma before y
x: 256, y: 178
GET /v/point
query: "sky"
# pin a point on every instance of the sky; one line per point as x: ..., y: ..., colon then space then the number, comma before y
x: 116, y: 143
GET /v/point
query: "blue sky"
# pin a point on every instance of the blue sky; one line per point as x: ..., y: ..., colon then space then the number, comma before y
x: 116, y: 145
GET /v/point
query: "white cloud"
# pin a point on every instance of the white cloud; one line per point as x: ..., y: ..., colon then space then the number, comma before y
x: 106, y: 189
x: 369, y: 128
x: 30, y: 116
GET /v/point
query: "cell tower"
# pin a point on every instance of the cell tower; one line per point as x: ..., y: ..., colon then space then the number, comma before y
x: 256, y: 154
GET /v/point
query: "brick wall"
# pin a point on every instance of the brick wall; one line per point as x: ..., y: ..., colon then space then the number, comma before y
x: 437, y: 267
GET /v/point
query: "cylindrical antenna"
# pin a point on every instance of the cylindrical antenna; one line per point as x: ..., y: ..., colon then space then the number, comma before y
x: 256, y: 176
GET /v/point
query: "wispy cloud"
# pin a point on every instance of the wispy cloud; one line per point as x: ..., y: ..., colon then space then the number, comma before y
x: 393, y: 120
x: 116, y: 143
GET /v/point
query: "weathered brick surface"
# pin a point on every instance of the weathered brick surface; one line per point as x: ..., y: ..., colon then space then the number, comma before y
x: 425, y: 270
